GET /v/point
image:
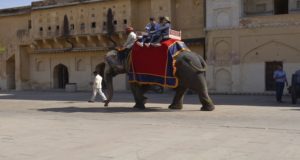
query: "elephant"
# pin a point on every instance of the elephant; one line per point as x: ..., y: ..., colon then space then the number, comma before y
x: 190, y: 71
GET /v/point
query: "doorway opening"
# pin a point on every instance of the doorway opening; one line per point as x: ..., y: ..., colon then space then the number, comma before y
x: 60, y: 76
x: 270, y: 68
x: 281, y: 6
x: 10, y: 72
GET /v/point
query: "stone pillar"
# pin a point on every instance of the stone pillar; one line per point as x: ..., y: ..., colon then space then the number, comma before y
x: 2, y: 73
x: 18, y: 80
x: 22, y: 68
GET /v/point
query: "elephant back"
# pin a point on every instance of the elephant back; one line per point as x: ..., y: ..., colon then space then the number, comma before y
x: 155, y: 65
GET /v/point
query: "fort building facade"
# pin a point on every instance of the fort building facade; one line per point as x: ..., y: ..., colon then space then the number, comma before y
x: 247, y: 39
x: 53, y: 43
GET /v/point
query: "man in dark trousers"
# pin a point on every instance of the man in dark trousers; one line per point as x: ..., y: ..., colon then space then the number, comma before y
x: 280, y: 79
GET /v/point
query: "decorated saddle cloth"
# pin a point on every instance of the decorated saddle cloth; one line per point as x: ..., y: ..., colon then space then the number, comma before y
x: 155, y: 65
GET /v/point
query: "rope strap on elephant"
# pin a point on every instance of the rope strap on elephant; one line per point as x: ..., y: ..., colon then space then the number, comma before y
x: 155, y: 65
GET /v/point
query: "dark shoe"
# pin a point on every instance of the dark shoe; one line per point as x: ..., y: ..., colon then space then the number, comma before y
x: 106, y: 103
x: 91, y: 101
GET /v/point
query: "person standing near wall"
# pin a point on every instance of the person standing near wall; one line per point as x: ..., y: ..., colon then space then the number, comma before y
x: 97, y: 88
x: 280, y: 80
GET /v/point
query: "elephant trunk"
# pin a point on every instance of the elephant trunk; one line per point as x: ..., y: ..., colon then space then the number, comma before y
x: 109, y: 84
x: 112, y: 68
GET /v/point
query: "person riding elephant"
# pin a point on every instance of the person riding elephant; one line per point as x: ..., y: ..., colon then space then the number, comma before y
x: 163, y: 31
x: 125, y: 49
x: 150, y: 28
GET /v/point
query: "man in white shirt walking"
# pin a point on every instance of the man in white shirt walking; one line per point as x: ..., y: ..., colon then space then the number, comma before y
x: 97, y: 88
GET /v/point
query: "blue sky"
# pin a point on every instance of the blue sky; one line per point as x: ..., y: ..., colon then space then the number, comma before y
x: 14, y: 3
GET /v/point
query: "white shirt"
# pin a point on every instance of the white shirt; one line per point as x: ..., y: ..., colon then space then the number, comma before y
x: 97, y: 82
x: 130, y: 40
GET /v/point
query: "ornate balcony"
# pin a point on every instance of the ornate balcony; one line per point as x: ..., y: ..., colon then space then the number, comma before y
x: 76, y: 40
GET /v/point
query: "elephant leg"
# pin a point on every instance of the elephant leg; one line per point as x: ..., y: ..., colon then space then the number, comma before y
x: 201, y: 88
x: 144, y: 89
x: 178, y: 98
x: 138, y: 96
x: 207, y: 103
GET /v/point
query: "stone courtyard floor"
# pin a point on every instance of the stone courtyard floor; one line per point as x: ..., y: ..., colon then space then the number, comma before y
x: 63, y: 126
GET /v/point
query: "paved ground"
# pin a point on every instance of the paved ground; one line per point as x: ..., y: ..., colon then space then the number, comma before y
x: 62, y: 126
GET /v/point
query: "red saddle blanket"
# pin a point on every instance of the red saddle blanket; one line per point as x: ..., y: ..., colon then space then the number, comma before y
x: 155, y: 65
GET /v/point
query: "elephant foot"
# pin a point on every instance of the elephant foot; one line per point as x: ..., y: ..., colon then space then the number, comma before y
x: 176, y: 107
x: 139, y: 107
x: 208, y: 108
x: 145, y: 100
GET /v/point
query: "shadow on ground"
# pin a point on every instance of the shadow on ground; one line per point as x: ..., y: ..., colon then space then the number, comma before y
x: 239, y: 100
x: 292, y: 110
x: 102, y: 110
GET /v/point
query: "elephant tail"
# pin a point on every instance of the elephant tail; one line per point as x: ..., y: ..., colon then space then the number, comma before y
x: 201, y: 68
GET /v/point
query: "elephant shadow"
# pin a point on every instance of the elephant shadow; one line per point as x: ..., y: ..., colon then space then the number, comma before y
x: 102, y: 110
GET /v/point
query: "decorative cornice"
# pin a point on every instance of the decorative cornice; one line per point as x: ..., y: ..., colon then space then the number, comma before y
x: 39, y: 5
x: 15, y: 11
x: 36, y: 6
x: 62, y: 50
x: 255, y: 26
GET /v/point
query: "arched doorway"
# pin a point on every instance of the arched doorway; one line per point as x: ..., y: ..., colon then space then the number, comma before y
x: 100, y: 69
x: 60, y: 76
x: 281, y: 7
